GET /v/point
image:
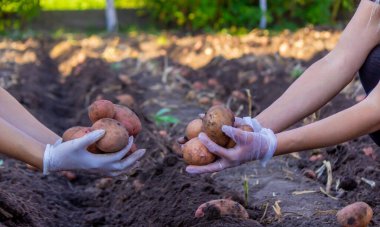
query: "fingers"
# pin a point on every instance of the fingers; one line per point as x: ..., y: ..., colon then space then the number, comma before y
x: 210, y: 168
x: 129, y: 161
x: 90, y: 138
x: 238, y: 135
x: 126, y: 171
x: 213, y: 147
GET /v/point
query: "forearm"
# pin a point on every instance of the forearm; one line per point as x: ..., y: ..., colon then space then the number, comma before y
x: 18, y: 145
x: 15, y: 114
x: 307, y: 94
x: 327, y: 77
x: 361, y: 119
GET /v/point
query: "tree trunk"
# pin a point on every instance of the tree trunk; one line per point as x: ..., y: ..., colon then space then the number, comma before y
x: 111, y: 18
x: 263, y: 20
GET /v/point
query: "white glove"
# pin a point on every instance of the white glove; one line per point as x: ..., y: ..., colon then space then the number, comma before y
x: 249, y: 146
x: 73, y: 155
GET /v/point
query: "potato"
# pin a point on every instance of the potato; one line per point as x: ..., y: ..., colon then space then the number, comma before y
x: 224, y: 207
x: 133, y: 148
x: 77, y: 132
x: 193, y: 129
x: 101, y: 109
x: 215, y: 118
x: 195, y: 153
x: 128, y: 119
x: 68, y: 134
x: 246, y: 128
x: 357, y: 214
x: 115, y: 137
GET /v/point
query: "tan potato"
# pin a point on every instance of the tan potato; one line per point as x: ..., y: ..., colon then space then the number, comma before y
x: 77, y: 132
x: 128, y: 119
x: 101, y: 109
x: 225, y: 207
x: 246, y: 128
x: 195, y: 153
x: 133, y: 148
x: 357, y: 214
x: 193, y: 128
x: 81, y: 132
x: 68, y: 134
x: 215, y: 118
x: 115, y: 137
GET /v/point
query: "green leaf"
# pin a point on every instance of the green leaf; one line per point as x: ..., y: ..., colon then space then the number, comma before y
x: 163, y: 111
x: 168, y: 119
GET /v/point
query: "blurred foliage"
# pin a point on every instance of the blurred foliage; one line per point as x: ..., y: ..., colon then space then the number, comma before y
x: 232, y: 16
x: 235, y: 14
x: 14, y: 13
x: 87, y: 4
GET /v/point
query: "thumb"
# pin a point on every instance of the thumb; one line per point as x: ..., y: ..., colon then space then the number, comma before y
x: 90, y: 138
x: 256, y: 125
x: 238, y: 135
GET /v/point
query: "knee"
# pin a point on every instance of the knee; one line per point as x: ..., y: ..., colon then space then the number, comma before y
x: 369, y: 72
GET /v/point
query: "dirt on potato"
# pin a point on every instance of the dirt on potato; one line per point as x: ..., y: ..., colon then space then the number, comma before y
x: 160, y: 192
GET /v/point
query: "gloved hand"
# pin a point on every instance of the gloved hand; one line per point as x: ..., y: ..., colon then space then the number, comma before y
x: 249, y: 146
x: 73, y: 155
x: 255, y: 125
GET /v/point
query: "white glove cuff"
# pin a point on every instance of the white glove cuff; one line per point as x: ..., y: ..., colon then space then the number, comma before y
x: 272, y: 146
x: 46, y: 161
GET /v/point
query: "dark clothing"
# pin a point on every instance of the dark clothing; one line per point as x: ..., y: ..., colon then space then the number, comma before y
x: 369, y: 77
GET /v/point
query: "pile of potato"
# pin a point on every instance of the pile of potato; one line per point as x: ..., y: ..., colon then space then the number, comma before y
x: 194, y: 152
x: 119, y: 122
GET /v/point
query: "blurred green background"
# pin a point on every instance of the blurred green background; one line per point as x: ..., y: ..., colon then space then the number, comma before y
x: 194, y: 15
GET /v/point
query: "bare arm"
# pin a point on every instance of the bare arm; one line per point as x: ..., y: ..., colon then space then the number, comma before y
x: 16, y: 115
x: 19, y: 145
x: 327, y: 77
x: 361, y: 119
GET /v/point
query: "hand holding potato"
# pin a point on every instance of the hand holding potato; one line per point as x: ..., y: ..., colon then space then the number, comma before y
x: 249, y: 146
x: 73, y: 155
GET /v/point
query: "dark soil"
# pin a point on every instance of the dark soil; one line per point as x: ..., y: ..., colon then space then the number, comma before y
x: 159, y: 192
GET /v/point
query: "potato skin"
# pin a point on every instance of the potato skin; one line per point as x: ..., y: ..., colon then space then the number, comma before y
x: 193, y: 128
x: 215, y: 118
x: 357, y: 214
x: 128, y: 119
x: 101, y: 109
x: 133, y: 148
x: 68, y: 134
x: 77, y: 132
x: 246, y: 128
x: 195, y: 153
x: 225, y: 207
x: 115, y: 137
